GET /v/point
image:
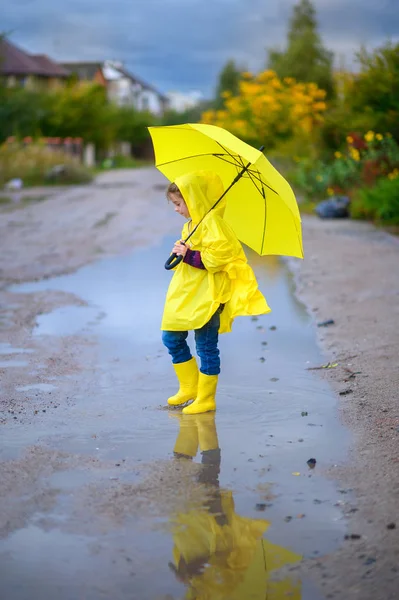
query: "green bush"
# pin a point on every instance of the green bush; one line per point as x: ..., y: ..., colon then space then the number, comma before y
x: 379, y: 203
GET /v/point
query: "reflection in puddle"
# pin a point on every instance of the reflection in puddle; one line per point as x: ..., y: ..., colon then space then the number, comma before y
x: 217, y: 553
x: 12, y: 363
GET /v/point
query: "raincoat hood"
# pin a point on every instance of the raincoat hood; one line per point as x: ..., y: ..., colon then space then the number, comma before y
x: 200, y: 190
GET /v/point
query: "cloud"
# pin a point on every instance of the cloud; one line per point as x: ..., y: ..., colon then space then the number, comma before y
x: 183, y: 44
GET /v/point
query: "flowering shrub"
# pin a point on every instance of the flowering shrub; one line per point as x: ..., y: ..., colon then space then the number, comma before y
x: 363, y: 161
x: 268, y: 109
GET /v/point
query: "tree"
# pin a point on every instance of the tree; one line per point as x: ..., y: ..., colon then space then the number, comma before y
x: 305, y: 58
x: 376, y: 88
x: 229, y: 81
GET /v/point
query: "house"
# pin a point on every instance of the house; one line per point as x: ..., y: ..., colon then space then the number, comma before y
x: 181, y: 102
x: 31, y: 71
x: 123, y: 88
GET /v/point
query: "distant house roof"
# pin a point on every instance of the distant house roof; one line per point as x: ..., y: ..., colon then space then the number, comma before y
x: 52, y: 68
x: 15, y: 61
x: 140, y: 81
x: 87, y: 70
x: 84, y: 70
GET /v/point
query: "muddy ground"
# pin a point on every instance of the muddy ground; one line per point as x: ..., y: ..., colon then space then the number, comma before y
x: 350, y: 275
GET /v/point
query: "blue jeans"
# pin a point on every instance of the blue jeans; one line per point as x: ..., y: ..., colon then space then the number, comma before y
x: 206, y: 341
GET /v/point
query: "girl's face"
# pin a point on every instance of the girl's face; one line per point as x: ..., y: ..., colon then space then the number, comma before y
x: 180, y: 205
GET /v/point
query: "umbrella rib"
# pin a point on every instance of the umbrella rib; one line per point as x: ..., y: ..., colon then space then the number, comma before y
x: 233, y: 156
x: 169, y: 162
x: 240, y: 163
x: 197, y: 156
x: 258, y: 177
x: 262, y: 193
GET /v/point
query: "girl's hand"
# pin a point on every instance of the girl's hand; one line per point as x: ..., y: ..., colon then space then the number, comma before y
x: 180, y: 249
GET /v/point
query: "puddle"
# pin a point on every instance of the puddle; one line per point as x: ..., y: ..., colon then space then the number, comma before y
x: 67, y: 320
x: 6, y: 348
x: 265, y: 507
x: 39, y: 387
x: 12, y: 363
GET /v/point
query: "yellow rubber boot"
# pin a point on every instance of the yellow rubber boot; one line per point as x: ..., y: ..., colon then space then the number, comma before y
x: 187, y: 374
x: 207, y: 434
x: 205, y: 400
x: 186, y: 444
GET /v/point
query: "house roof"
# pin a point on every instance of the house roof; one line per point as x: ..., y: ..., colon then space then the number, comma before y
x: 84, y: 70
x: 54, y: 69
x: 135, y: 79
x: 15, y: 61
x: 87, y: 70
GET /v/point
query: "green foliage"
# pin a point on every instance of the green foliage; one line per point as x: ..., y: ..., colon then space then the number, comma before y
x: 190, y: 115
x: 379, y: 203
x: 377, y: 88
x: 305, y: 58
x: 74, y: 111
x: 229, y: 81
x: 81, y: 111
x: 21, y: 112
x: 132, y: 126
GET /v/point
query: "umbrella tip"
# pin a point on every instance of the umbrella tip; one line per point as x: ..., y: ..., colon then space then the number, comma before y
x: 261, y: 149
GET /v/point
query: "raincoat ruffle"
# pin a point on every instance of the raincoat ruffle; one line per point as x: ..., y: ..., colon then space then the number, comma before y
x: 194, y: 295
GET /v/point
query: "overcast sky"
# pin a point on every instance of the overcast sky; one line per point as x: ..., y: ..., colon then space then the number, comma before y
x: 182, y: 44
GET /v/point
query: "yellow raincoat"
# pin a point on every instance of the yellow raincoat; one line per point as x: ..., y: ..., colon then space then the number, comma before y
x: 194, y: 294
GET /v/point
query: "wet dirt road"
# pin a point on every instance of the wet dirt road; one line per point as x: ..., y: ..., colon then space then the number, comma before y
x: 109, y: 495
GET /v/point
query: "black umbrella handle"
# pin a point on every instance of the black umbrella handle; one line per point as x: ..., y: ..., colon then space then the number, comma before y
x: 173, y: 261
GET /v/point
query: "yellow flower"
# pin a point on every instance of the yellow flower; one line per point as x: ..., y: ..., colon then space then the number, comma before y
x: 369, y: 137
x: 319, y: 178
x: 355, y: 154
x: 319, y: 106
x: 338, y: 155
x: 349, y: 139
x: 394, y: 174
x: 379, y: 136
x: 330, y: 191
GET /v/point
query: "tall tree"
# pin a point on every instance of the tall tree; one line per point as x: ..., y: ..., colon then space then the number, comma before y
x: 304, y: 58
x: 229, y: 80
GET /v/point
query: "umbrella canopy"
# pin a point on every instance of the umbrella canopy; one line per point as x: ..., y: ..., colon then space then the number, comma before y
x: 261, y: 206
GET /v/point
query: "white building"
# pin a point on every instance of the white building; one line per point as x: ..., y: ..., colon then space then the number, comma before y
x: 180, y: 102
x: 123, y: 88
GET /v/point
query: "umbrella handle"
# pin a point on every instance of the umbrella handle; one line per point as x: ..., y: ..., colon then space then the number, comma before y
x: 173, y: 261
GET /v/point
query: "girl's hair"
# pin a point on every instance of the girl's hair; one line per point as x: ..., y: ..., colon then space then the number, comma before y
x: 173, y: 189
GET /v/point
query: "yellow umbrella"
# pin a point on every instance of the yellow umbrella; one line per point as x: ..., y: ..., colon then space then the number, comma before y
x: 261, y: 206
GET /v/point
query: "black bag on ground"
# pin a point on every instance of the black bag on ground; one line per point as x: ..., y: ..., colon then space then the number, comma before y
x: 336, y: 207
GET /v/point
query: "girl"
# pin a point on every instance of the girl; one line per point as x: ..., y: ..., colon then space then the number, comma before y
x: 213, y: 285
